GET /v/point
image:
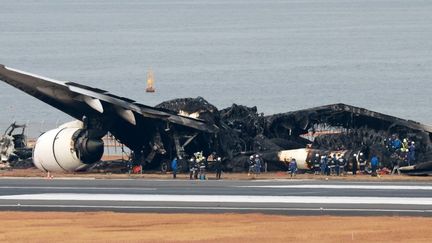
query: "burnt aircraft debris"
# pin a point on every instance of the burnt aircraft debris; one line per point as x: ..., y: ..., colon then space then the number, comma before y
x: 181, y: 127
x: 244, y: 131
x: 14, y: 151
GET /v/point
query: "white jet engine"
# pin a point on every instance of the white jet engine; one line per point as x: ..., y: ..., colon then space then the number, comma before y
x: 67, y: 148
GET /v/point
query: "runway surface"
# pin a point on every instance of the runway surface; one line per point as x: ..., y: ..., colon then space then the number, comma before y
x: 291, y: 197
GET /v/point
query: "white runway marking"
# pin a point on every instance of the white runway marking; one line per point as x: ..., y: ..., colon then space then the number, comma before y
x: 362, y: 187
x: 219, y: 208
x: 43, y: 178
x: 82, y: 188
x: 221, y: 199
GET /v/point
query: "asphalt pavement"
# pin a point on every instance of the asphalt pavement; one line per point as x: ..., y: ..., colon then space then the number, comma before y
x: 287, y: 197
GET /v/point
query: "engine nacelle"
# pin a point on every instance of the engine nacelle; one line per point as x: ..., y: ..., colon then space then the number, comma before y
x: 67, y: 148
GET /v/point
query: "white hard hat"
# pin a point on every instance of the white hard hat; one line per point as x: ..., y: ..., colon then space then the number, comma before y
x: 316, y: 155
x: 361, y: 153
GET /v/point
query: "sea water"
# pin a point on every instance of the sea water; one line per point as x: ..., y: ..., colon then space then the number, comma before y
x: 277, y: 55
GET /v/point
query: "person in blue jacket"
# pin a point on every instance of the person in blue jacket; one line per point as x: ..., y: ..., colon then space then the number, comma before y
x: 411, y: 154
x: 174, y: 167
x: 323, y: 165
x: 396, y: 144
x: 293, y: 167
x: 374, y: 165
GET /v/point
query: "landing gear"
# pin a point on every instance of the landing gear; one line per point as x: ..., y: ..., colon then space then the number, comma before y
x: 164, y: 166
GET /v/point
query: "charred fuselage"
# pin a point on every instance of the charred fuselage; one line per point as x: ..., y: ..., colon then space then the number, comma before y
x: 339, y: 127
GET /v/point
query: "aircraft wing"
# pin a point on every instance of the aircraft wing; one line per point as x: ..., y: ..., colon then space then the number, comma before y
x: 78, y: 100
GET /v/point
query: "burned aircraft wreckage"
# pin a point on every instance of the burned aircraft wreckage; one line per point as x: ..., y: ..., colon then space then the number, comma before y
x: 332, y: 128
x: 14, y: 151
x: 182, y: 127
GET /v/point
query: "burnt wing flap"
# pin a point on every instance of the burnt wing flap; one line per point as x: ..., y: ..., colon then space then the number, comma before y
x: 70, y: 98
x: 144, y: 110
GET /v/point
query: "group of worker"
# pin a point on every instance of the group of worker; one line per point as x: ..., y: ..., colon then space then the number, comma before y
x: 335, y: 164
x: 329, y: 165
x: 255, y: 165
x: 402, y: 151
x: 198, y: 165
